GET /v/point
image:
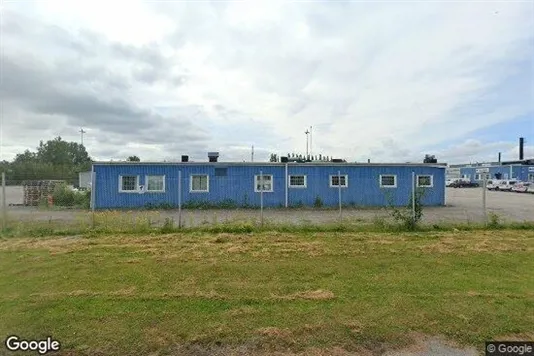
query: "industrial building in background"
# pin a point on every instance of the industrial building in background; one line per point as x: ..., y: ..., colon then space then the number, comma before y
x: 521, y: 169
x: 274, y: 184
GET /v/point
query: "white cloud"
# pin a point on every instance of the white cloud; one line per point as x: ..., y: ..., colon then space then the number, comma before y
x: 385, y: 82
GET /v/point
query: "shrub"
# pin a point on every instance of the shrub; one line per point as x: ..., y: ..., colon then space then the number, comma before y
x: 318, y: 202
x: 404, y: 215
x: 65, y: 196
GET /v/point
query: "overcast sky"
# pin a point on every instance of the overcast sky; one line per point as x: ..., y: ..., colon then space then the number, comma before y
x: 389, y: 81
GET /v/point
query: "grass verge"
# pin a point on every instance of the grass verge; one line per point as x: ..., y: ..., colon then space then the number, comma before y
x: 122, y: 294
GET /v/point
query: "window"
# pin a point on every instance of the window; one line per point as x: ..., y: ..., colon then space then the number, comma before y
x: 425, y: 181
x: 200, y: 183
x: 531, y: 177
x: 339, y: 181
x: 297, y: 181
x: 388, y: 181
x: 128, y: 183
x: 155, y: 183
x: 221, y: 172
x: 505, y: 175
x: 477, y: 176
x: 266, y: 183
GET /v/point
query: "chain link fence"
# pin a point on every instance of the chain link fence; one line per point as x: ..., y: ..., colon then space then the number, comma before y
x: 65, y: 204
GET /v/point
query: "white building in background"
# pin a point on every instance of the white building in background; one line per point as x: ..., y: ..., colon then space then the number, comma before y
x: 84, y: 180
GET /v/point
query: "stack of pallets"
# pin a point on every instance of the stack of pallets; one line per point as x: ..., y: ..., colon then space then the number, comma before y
x: 37, y: 190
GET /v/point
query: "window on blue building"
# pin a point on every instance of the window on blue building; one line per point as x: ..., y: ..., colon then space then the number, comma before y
x: 155, y: 183
x: 297, y: 181
x: 341, y: 180
x: 128, y: 183
x: 263, y: 183
x: 388, y: 181
x: 425, y: 181
x: 200, y: 183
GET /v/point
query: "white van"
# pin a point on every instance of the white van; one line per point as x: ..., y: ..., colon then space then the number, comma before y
x: 505, y: 184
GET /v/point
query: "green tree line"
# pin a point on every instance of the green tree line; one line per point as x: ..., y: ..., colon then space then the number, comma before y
x: 54, y: 159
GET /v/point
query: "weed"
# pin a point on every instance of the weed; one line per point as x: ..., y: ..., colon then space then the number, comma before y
x: 318, y: 203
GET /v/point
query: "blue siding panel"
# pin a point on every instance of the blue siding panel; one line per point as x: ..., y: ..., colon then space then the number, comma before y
x: 238, y: 185
x: 519, y: 172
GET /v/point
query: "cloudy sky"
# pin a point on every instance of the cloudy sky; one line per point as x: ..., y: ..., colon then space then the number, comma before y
x: 389, y: 81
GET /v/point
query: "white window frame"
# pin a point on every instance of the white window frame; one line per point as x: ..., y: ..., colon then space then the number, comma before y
x: 256, y: 180
x: 154, y: 191
x: 425, y: 175
x: 346, y: 185
x: 199, y: 191
x: 388, y: 175
x: 530, y: 177
x: 477, y: 176
x: 298, y: 186
x: 136, y: 190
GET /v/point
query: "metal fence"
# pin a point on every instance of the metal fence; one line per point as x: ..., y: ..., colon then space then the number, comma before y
x: 463, y: 205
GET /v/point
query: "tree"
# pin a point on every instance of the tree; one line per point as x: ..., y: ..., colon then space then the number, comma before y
x: 58, y: 152
x: 134, y: 159
x: 55, y: 159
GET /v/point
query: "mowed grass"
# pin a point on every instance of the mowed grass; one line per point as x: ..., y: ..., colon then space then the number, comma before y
x: 133, y: 295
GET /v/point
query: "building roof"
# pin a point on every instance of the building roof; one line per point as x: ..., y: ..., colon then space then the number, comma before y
x: 225, y: 164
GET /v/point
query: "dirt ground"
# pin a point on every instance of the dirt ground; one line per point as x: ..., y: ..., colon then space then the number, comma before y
x: 462, y: 205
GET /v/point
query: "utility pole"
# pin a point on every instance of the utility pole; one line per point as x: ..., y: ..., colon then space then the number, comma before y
x: 307, y: 133
x: 311, y: 135
x: 81, y: 134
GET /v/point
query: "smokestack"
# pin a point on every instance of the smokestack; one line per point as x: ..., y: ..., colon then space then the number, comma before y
x: 521, y: 147
x: 368, y: 160
x: 499, y: 157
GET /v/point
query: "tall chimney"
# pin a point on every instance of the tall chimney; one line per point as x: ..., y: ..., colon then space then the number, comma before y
x: 499, y: 157
x: 521, y: 147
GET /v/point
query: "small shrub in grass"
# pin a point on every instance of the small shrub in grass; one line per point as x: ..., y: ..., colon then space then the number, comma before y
x: 168, y: 225
x: 493, y: 220
x: 318, y: 203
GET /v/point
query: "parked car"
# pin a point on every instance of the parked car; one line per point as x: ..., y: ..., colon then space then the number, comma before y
x: 530, y: 188
x: 520, y: 187
x: 504, y: 184
x: 449, y: 182
x: 463, y: 183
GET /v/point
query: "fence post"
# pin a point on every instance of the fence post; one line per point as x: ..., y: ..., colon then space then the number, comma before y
x: 261, y: 198
x: 339, y: 194
x: 179, y: 199
x: 484, y: 211
x: 413, y: 197
x: 4, y: 208
x: 287, y: 188
x: 93, y: 195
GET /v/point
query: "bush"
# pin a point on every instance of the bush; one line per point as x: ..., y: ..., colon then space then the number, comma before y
x: 65, y: 196
x: 318, y: 202
x: 404, y: 215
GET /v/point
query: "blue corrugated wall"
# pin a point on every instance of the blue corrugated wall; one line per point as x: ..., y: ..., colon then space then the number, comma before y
x: 519, y: 172
x: 238, y: 185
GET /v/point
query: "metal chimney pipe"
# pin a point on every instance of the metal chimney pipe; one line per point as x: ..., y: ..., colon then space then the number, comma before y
x: 521, y: 148
x: 499, y: 157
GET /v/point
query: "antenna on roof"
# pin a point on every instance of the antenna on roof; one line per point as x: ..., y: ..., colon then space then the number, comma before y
x: 252, y: 154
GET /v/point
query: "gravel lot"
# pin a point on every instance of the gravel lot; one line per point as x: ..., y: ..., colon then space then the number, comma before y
x: 463, y: 205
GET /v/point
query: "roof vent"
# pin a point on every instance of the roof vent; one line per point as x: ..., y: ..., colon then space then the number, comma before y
x: 213, y: 156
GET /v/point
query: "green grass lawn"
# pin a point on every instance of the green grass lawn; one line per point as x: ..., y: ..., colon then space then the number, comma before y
x: 133, y: 295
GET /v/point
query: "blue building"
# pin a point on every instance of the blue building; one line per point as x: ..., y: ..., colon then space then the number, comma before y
x: 140, y: 184
x: 520, y: 170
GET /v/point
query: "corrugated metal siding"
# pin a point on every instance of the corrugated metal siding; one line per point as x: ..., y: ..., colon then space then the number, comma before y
x: 519, y: 172
x: 238, y: 185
